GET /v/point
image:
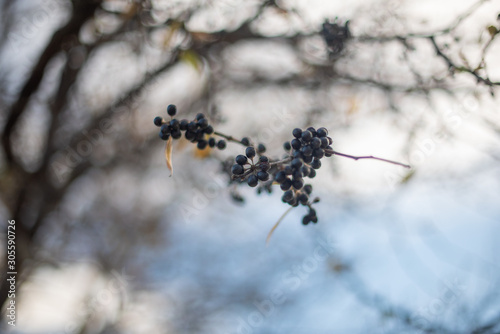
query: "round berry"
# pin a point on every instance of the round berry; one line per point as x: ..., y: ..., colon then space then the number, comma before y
x: 307, y: 150
x: 261, y: 148
x: 264, y: 166
x: 263, y: 159
x: 263, y: 176
x: 158, y: 121
x: 190, y: 135
x: 296, y: 163
x: 306, y: 219
x: 252, y: 180
x: 171, y: 109
x: 330, y: 140
x: 176, y: 134
x: 211, y: 142
x: 164, y: 136
x: 287, y: 195
x: 245, y: 141
x: 327, y: 153
x: 250, y: 152
x: 297, y: 132
x: 314, y: 219
x: 192, y: 126
x: 308, y: 189
x: 298, y: 183
x: 305, y: 171
x: 308, y: 159
x: 280, y: 177
x: 318, y: 153
x: 241, y: 159
x: 287, y: 146
x: 324, y: 142
x: 209, y: 130
x: 174, y: 124
x: 296, y: 144
x: 203, y: 123
x: 202, y: 144
x: 237, y: 169
x: 316, y: 142
x: 306, y: 136
x: 200, y: 116
x: 303, y: 198
x: 316, y: 164
x: 183, y: 124
x: 288, y: 170
x: 312, y: 173
x: 199, y: 134
x: 297, y: 174
x: 221, y: 144
x: 285, y: 185
x: 322, y: 132
x: 312, y: 130
x: 165, y: 128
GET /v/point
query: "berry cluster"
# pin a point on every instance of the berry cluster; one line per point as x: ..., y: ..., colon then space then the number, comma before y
x: 253, y: 170
x: 196, y: 130
x: 304, y: 153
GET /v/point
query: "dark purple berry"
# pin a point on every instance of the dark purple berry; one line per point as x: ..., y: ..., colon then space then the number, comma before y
x: 252, y: 180
x: 287, y: 146
x: 285, y: 185
x: 318, y: 153
x: 322, y: 132
x: 200, y: 116
x: 202, y: 144
x: 211, y: 142
x: 298, y: 183
x: 209, y: 130
x: 171, y: 109
x: 221, y: 144
x: 158, y: 121
x: 250, y: 152
x: 263, y: 158
x: 183, y: 125
x: 316, y: 142
x: 280, y: 177
x: 287, y: 195
x: 288, y: 170
x: 190, y: 135
x: 245, y: 141
x: 176, y: 134
x: 307, y: 150
x: 312, y: 173
x: 192, y: 126
x: 296, y: 163
x: 297, y: 132
x: 324, y: 142
x: 308, y: 189
x: 261, y: 148
x: 296, y: 144
x: 263, y: 176
x: 241, y: 159
x: 203, y: 123
x: 303, y: 198
x: 174, y: 124
x: 316, y: 164
x: 306, y: 136
x: 237, y: 169
x: 164, y: 136
x: 308, y: 159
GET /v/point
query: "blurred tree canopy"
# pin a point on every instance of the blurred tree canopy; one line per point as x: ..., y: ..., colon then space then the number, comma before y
x: 81, y: 81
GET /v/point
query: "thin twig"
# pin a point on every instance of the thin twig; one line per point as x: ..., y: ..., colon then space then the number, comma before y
x: 367, y: 157
x: 276, y: 225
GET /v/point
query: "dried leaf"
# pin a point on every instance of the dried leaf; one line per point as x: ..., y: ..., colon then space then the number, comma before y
x: 276, y: 225
x: 168, y: 156
x: 492, y: 30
